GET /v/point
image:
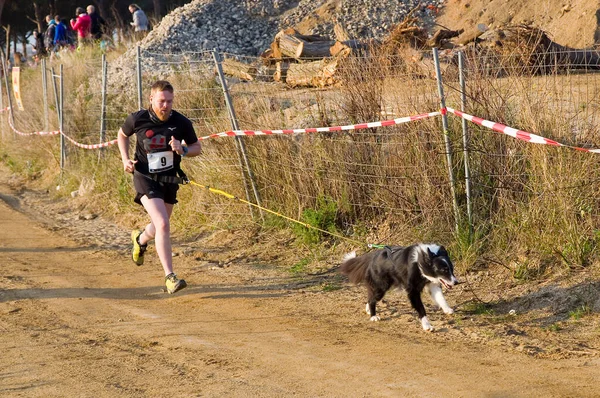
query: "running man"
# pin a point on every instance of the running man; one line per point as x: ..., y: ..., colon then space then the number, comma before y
x: 163, y: 137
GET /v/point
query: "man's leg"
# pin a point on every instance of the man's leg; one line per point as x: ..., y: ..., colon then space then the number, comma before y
x: 149, y: 231
x: 159, y: 230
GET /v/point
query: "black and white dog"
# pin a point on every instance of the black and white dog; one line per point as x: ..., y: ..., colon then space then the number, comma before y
x: 412, y: 268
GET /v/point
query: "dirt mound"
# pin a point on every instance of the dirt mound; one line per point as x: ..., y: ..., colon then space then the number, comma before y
x: 572, y: 23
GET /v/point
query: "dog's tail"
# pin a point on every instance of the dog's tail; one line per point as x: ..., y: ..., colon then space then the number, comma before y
x: 350, y: 255
x: 355, y: 267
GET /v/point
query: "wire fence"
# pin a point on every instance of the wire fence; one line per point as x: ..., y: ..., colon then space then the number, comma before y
x: 385, y: 184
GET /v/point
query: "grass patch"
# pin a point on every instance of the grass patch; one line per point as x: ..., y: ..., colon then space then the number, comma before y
x: 322, y: 218
x: 555, y: 327
x: 478, y: 308
x: 331, y: 286
x: 580, y: 312
x: 300, y: 267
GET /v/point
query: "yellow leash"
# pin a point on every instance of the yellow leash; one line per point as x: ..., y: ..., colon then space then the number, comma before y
x: 230, y: 196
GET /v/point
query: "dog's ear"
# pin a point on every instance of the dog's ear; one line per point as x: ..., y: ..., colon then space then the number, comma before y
x: 442, y: 252
x: 430, y: 253
x: 387, y: 252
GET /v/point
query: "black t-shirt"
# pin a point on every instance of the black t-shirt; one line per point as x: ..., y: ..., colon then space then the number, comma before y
x: 97, y: 25
x: 153, y: 140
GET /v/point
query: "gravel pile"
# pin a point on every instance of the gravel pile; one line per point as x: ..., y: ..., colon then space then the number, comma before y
x: 362, y: 18
x: 247, y: 27
x: 227, y: 25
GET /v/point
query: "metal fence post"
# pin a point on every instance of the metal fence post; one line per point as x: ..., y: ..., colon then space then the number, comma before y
x: 103, y: 106
x: 139, y: 77
x: 11, y: 114
x: 463, y: 102
x: 55, y: 90
x: 61, y: 119
x: 2, y: 102
x: 239, y: 142
x: 45, y: 93
x: 438, y: 74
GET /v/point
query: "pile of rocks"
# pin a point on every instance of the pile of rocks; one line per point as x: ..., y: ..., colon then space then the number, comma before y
x: 228, y: 26
x: 362, y: 18
x: 247, y: 27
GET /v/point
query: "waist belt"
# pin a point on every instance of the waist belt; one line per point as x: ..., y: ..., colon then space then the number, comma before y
x: 180, y: 179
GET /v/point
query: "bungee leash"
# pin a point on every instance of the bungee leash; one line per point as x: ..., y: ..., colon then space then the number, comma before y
x: 233, y: 197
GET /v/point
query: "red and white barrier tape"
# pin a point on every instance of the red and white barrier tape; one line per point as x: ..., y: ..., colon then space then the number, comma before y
x: 501, y: 128
x: 91, y: 146
x: 34, y: 133
x: 84, y: 146
x: 232, y: 133
x: 383, y: 123
x: 5, y: 109
x: 518, y: 134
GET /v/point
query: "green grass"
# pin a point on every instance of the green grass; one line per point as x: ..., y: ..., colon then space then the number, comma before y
x: 331, y: 286
x: 478, y: 308
x: 580, y: 312
x: 300, y: 267
x: 555, y: 327
x: 322, y: 218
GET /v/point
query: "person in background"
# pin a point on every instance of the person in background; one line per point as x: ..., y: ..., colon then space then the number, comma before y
x: 61, y: 38
x: 98, y: 23
x: 71, y: 35
x: 49, y: 34
x: 40, y: 48
x: 140, y: 21
x: 82, y: 25
x: 163, y: 138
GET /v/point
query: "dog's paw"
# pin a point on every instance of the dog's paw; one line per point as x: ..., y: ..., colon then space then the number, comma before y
x: 375, y: 318
x: 426, y: 325
x: 448, y: 311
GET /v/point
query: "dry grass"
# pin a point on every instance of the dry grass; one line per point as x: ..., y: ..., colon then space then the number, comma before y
x: 535, y: 208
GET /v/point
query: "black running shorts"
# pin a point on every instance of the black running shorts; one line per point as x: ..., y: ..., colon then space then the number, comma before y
x: 154, y: 189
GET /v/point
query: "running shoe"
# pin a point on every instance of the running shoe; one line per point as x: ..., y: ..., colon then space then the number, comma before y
x: 174, y: 284
x: 137, y: 253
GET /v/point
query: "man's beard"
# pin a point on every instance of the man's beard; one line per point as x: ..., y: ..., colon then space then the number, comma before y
x: 160, y: 116
x: 163, y: 115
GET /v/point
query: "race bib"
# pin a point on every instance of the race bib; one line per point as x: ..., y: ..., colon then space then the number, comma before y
x: 160, y: 161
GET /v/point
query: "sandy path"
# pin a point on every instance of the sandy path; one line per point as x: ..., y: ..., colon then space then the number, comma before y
x: 84, y: 321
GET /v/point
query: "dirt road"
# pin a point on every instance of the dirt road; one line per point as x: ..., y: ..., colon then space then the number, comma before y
x: 82, y: 320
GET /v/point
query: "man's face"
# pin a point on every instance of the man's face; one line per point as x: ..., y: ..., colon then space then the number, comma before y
x: 162, y: 103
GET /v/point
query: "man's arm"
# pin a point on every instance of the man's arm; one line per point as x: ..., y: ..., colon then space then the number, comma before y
x: 136, y: 19
x: 123, y: 142
x: 192, y: 150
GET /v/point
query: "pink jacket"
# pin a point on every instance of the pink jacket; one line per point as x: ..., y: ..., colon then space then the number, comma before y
x: 82, y: 25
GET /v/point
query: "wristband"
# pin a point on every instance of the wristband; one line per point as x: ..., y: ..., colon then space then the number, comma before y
x: 185, y: 150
